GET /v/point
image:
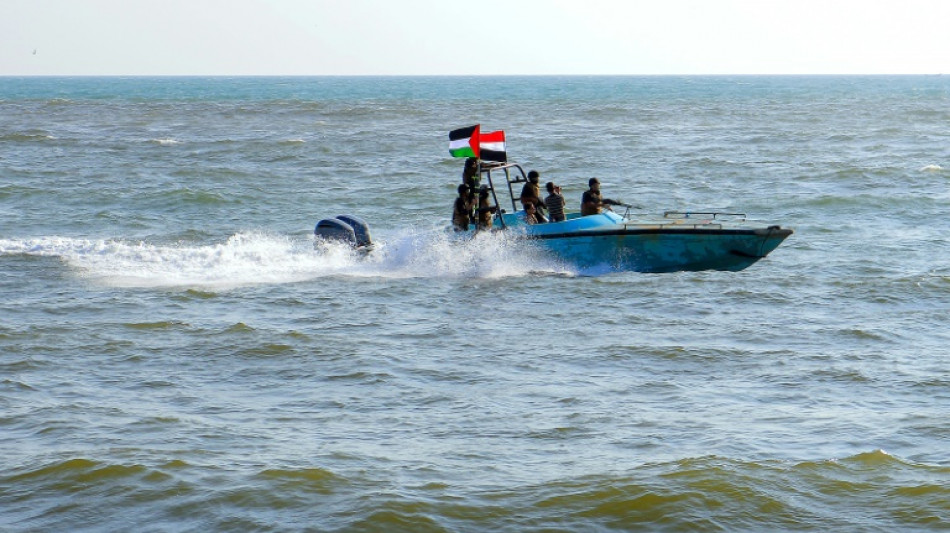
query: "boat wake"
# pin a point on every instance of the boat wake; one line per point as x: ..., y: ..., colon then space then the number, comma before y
x: 256, y: 258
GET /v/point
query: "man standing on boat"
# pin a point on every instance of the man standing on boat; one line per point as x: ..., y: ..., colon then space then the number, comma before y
x: 554, y: 202
x: 531, y: 194
x: 592, y: 202
x: 470, y: 174
x: 485, y: 209
x: 463, y: 209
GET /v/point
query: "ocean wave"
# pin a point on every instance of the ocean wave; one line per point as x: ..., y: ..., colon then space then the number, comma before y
x: 78, y: 471
x: 316, y: 479
x: 160, y: 325
x: 871, y: 490
x: 13, y: 384
x: 27, y: 137
x: 60, y: 102
x: 19, y: 191
x: 194, y: 196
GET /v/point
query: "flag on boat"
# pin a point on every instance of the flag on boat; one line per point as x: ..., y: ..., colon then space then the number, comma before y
x: 471, y: 142
x: 492, y: 146
x: 464, y: 142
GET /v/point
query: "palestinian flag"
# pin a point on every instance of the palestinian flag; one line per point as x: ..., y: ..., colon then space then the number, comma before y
x: 492, y: 146
x: 463, y: 142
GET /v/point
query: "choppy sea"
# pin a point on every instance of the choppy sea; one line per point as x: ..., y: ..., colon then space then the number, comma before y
x: 176, y: 356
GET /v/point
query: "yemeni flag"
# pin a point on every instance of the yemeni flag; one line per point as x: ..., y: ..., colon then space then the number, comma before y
x: 464, y: 142
x: 492, y: 146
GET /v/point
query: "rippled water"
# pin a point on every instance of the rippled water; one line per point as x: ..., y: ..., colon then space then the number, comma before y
x: 175, y: 355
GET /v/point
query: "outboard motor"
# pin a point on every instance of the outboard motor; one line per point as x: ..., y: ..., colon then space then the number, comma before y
x: 332, y: 229
x: 346, y: 228
x: 360, y: 228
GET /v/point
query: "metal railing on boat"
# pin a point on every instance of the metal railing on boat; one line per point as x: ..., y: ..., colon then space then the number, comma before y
x: 709, y: 214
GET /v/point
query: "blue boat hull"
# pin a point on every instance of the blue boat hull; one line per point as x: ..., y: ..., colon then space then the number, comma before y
x: 611, y: 242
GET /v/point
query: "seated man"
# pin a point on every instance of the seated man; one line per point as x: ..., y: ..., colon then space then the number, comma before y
x: 530, y: 214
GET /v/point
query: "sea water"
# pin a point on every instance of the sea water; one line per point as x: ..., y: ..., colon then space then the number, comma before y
x: 176, y: 355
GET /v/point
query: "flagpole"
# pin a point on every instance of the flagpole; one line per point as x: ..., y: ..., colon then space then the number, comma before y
x: 491, y: 186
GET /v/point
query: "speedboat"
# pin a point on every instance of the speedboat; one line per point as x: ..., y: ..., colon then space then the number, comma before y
x: 671, y: 242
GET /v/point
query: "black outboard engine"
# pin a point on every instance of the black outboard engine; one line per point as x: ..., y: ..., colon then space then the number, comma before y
x: 346, y: 228
x: 360, y: 228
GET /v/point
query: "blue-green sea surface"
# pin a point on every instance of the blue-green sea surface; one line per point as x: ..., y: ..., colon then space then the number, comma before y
x: 175, y: 355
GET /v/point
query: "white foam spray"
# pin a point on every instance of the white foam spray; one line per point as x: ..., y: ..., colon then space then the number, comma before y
x: 254, y: 258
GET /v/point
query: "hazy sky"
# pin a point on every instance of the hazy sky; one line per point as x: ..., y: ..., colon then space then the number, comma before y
x: 323, y: 37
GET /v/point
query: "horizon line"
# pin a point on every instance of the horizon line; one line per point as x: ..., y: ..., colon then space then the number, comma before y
x: 465, y: 75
